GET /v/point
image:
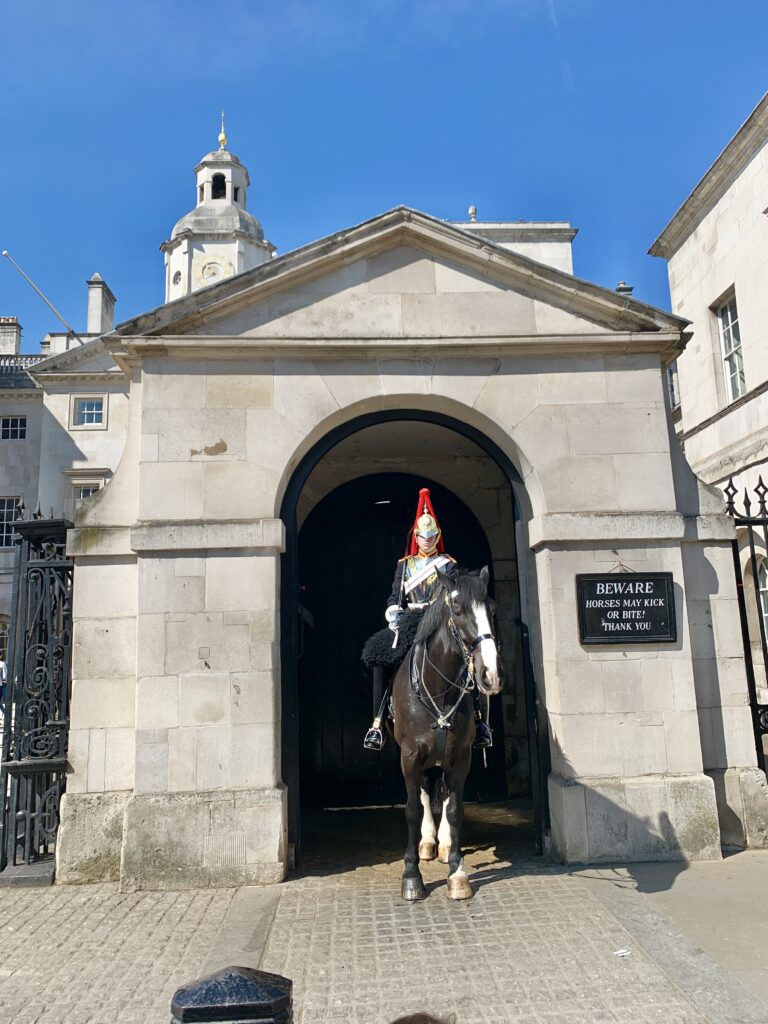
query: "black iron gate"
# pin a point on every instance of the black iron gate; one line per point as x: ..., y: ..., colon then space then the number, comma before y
x: 751, y: 522
x: 35, y: 704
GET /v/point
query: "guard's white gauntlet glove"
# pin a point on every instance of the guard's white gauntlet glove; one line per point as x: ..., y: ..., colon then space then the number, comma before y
x: 392, y: 615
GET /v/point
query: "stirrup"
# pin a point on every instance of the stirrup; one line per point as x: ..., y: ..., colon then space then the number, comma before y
x: 483, y: 736
x: 374, y: 738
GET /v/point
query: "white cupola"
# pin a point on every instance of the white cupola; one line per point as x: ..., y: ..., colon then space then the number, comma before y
x: 219, y: 237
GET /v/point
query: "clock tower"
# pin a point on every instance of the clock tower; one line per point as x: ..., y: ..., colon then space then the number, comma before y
x: 219, y: 237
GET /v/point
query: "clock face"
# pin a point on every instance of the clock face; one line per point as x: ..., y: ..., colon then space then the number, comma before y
x: 210, y: 269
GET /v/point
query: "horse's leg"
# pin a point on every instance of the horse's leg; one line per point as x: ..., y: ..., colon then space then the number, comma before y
x: 427, y: 846
x: 458, y: 883
x: 444, y: 835
x: 412, y: 884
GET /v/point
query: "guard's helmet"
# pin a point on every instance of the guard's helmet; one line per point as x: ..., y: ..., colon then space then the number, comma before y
x: 425, y: 523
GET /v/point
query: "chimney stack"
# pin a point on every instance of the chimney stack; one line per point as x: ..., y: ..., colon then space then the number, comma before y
x: 10, y: 336
x: 101, y: 306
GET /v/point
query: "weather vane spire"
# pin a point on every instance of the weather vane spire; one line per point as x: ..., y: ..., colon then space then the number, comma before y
x: 222, y: 134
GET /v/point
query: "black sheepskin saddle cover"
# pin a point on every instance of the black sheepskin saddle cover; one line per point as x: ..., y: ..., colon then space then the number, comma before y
x: 378, y: 649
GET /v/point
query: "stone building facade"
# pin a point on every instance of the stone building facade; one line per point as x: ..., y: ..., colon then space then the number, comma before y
x: 411, y: 347
x: 716, y: 246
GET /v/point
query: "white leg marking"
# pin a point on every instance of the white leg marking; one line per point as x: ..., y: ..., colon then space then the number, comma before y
x: 459, y: 872
x: 444, y: 832
x: 427, y: 822
x: 487, y: 647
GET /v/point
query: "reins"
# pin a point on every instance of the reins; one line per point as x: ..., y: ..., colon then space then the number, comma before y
x: 442, y: 718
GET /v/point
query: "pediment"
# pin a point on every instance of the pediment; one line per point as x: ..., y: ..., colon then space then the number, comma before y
x: 403, y: 275
x: 92, y: 358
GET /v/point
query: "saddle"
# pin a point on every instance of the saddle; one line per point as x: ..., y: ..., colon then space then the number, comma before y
x: 378, y: 651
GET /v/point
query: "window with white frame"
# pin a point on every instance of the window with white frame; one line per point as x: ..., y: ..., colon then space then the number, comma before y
x: 85, y: 490
x: 13, y: 428
x: 3, y: 640
x: 673, y: 386
x: 730, y: 342
x: 88, y: 412
x: 8, y: 508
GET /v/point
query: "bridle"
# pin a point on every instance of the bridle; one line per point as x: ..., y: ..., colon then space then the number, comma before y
x: 442, y: 718
x: 467, y: 649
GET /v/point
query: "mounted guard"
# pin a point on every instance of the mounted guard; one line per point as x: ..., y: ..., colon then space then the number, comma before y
x: 415, y: 586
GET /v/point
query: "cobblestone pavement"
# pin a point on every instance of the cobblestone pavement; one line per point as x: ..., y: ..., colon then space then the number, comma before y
x: 534, y: 946
x: 79, y: 954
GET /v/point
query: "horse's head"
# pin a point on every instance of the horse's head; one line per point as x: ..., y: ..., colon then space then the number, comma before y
x: 466, y: 595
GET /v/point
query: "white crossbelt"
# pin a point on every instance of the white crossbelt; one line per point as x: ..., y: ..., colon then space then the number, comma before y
x: 425, y: 573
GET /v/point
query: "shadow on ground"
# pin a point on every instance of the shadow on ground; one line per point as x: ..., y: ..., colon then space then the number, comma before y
x: 496, y: 837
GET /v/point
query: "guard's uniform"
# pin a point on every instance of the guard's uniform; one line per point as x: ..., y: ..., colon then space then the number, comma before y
x: 416, y: 585
x: 415, y: 582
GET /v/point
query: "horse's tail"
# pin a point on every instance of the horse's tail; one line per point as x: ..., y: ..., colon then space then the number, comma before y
x: 438, y: 791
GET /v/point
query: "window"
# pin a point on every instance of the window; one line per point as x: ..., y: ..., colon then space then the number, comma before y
x: 200, y: 193
x: 218, y: 186
x: 13, y: 428
x: 4, y: 640
x: 236, y: 193
x: 85, y: 490
x: 88, y: 412
x: 673, y: 386
x: 730, y: 339
x: 8, y: 508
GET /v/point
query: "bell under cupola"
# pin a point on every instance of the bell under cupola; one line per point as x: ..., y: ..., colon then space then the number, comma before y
x: 219, y: 237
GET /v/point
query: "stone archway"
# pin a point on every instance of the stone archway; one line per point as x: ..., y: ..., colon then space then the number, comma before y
x: 433, y: 449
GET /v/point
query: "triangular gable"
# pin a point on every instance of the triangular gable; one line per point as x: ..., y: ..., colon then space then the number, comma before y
x: 406, y: 274
x: 91, y: 357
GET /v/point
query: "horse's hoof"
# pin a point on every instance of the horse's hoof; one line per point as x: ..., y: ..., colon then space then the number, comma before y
x: 443, y: 853
x: 459, y: 888
x: 427, y: 850
x: 413, y: 889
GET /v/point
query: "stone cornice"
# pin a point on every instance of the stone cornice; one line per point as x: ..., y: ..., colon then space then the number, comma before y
x: 62, y: 360
x: 58, y: 379
x: 129, y: 352
x: 21, y: 394
x: 403, y: 226
x: 146, y: 537
x: 567, y: 528
x: 747, y: 141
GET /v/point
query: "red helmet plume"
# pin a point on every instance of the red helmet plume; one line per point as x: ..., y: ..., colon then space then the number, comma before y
x: 425, y: 523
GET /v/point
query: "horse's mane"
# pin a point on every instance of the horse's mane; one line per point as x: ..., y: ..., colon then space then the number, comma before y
x: 471, y: 589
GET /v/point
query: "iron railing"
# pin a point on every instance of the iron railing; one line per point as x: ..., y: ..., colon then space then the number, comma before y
x: 751, y: 522
x: 35, y: 705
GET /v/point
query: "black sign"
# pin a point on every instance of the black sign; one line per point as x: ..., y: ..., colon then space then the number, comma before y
x: 626, y: 608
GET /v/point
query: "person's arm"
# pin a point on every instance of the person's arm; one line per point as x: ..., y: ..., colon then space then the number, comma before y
x: 394, y: 604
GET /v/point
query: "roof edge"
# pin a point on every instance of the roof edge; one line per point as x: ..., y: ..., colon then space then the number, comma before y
x: 304, y: 260
x: 742, y: 148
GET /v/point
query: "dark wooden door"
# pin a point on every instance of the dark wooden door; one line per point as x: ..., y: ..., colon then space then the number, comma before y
x: 348, y: 549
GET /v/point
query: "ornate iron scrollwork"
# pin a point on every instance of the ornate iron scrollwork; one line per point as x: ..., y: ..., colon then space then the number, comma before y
x: 751, y: 522
x: 36, y: 711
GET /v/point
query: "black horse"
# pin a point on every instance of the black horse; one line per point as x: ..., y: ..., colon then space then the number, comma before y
x: 434, y: 725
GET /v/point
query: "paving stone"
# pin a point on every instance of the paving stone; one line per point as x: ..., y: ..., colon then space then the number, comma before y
x: 91, y: 955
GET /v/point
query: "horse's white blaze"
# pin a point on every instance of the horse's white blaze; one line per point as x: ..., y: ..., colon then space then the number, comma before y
x: 444, y: 832
x: 487, y: 648
x: 427, y: 822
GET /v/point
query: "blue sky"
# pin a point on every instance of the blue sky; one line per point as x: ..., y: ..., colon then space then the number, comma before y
x: 601, y: 112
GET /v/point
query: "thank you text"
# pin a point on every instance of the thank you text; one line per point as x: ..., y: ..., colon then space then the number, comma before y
x: 626, y: 608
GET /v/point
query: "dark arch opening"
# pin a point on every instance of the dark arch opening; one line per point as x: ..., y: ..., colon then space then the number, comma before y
x: 290, y: 598
x: 341, y: 603
x: 218, y: 186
